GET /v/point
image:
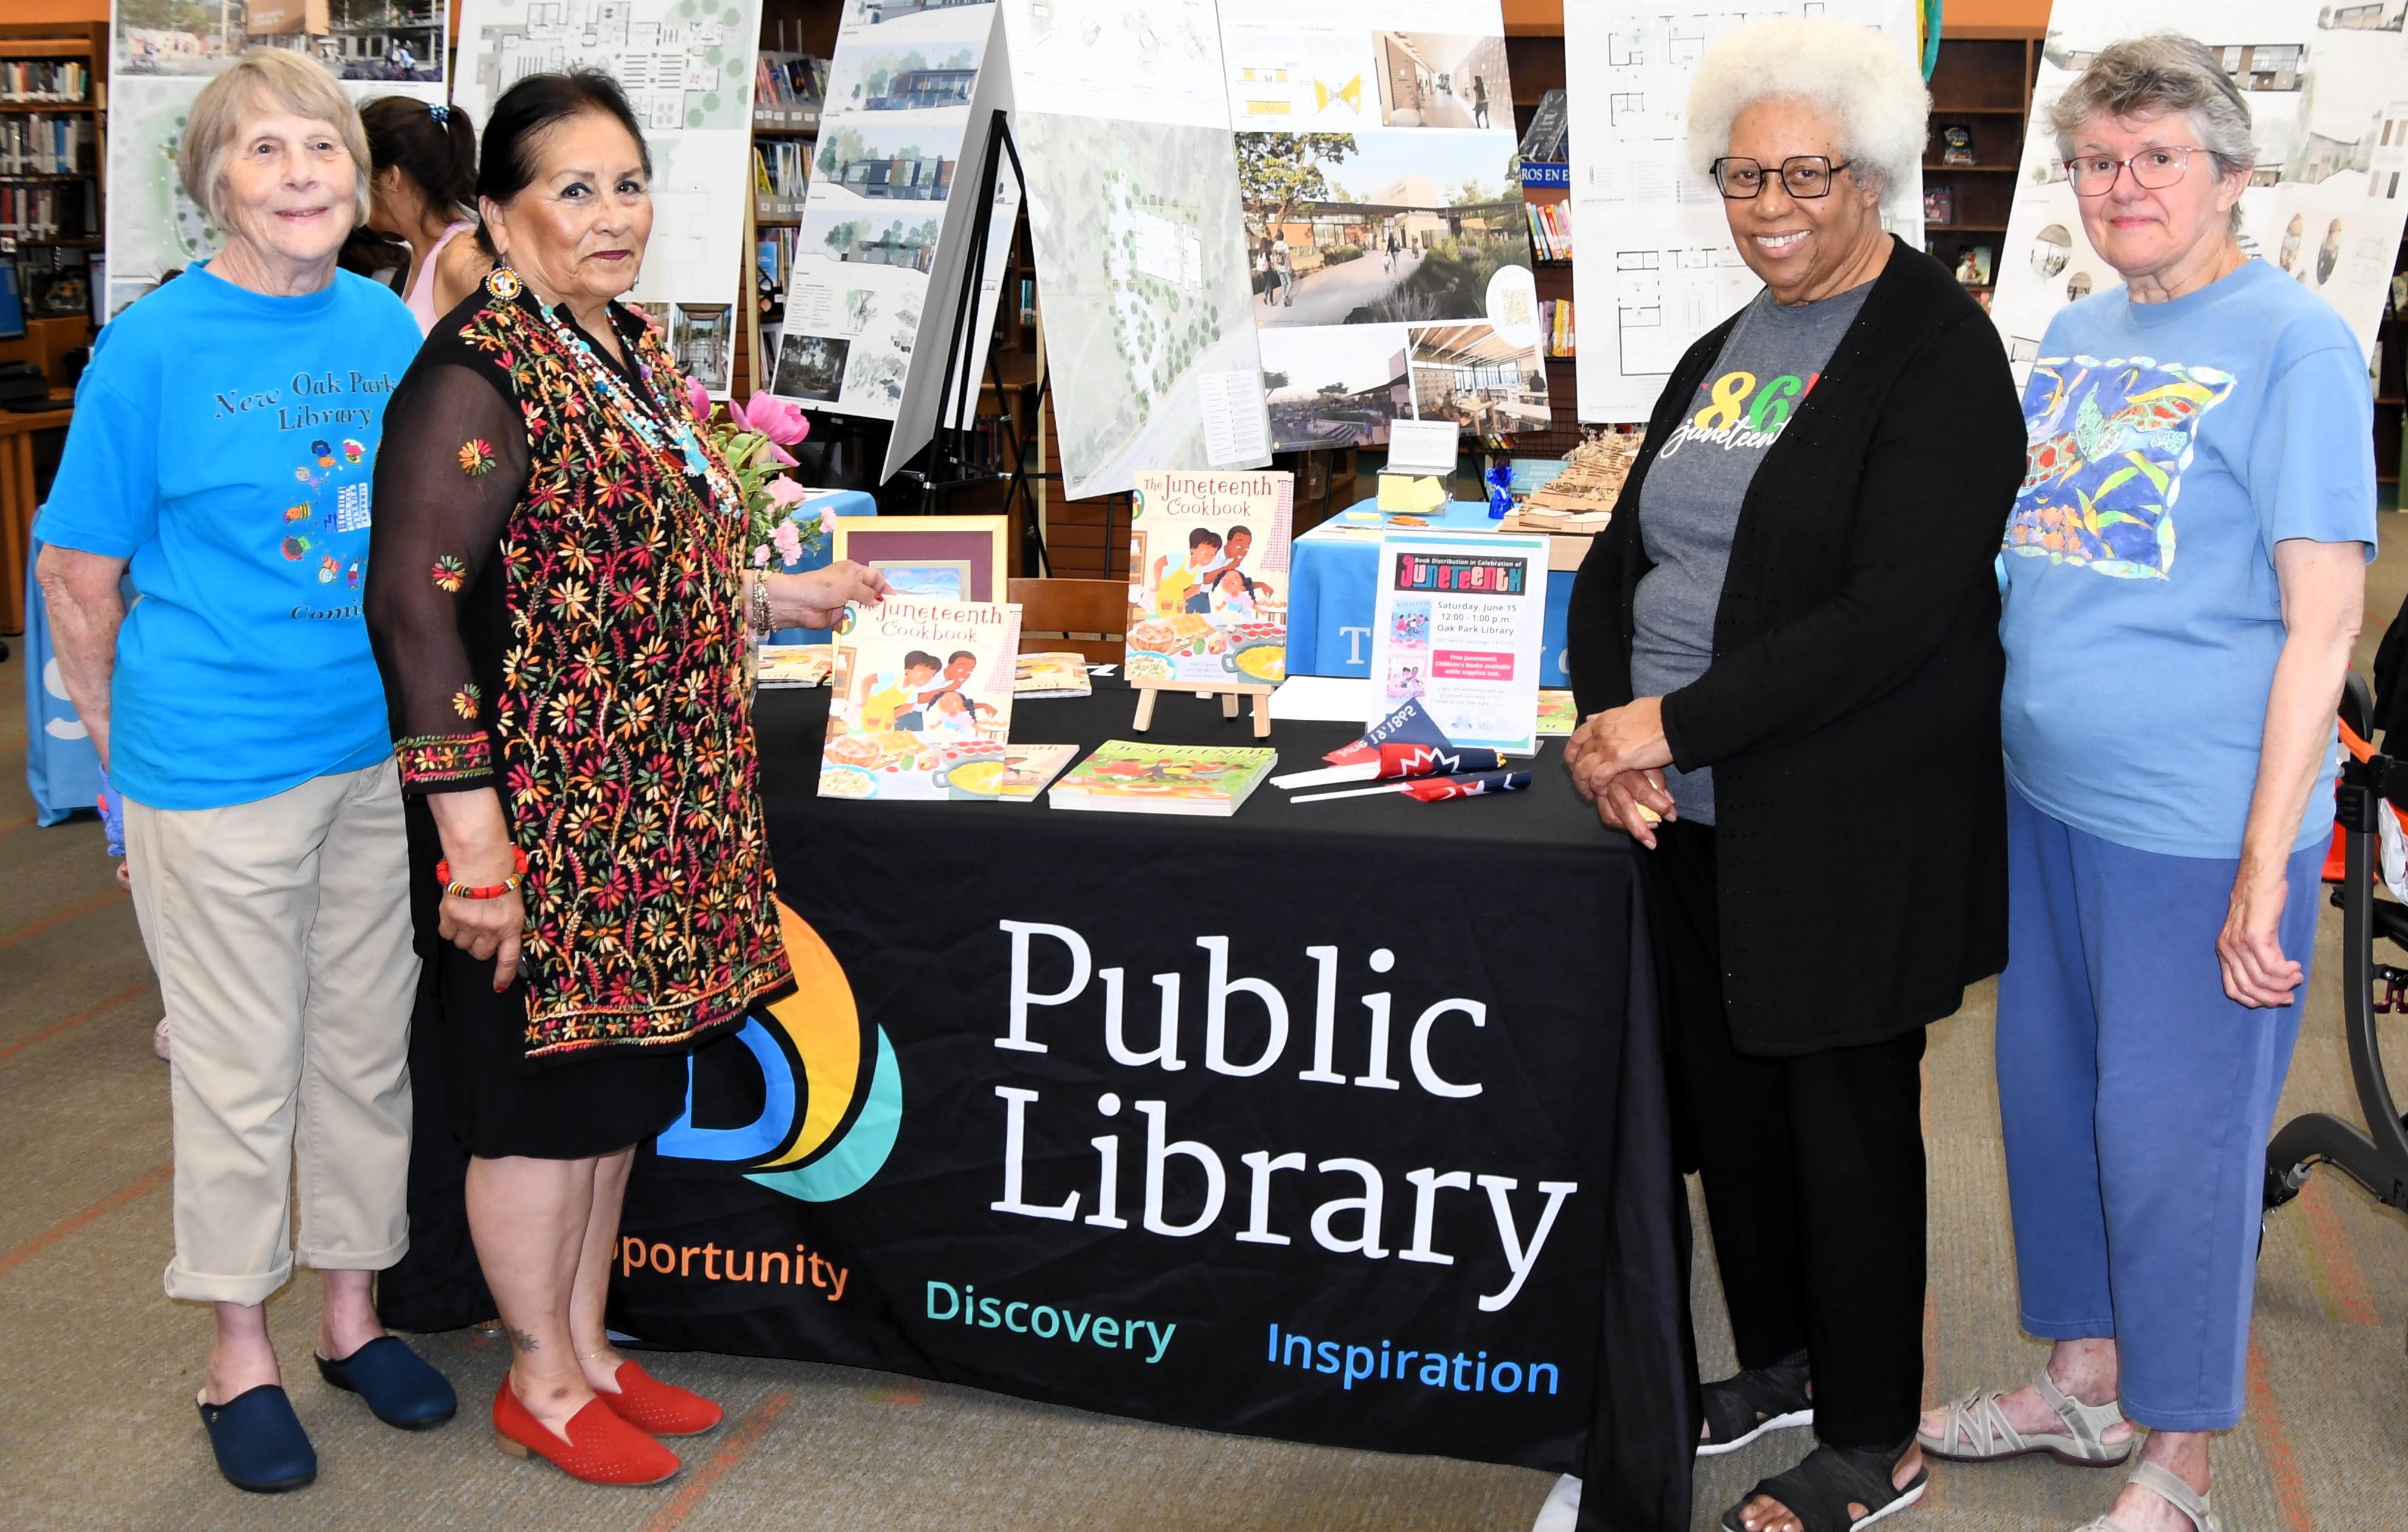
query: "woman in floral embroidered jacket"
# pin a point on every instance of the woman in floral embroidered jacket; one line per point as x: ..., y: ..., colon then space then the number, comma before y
x: 559, y: 608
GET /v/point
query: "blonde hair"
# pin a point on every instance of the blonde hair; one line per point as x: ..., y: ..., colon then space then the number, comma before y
x: 292, y: 81
x: 1868, y: 84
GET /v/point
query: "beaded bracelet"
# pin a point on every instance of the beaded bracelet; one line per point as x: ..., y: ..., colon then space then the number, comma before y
x: 461, y: 890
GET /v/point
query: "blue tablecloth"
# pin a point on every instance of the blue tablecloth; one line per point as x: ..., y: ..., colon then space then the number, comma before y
x: 1330, y: 603
x: 843, y: 502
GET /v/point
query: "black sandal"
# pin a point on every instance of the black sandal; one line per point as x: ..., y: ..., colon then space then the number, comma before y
x: 1819, y: 1490
x: 1741, y: 1408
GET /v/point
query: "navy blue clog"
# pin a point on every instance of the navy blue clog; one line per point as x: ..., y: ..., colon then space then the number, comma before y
x: 259, y: 1441
x: 398, y: 1387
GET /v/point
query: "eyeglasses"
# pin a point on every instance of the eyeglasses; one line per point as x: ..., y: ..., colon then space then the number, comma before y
x: 1801, y: 175
x: 2153, y: 170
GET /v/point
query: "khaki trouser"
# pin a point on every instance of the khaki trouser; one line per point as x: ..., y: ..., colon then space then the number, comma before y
x: 280, y: 933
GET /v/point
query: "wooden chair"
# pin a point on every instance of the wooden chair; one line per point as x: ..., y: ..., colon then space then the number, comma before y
x: 1053, y: 613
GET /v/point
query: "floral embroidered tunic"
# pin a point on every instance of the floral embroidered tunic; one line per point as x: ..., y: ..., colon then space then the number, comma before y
x: 556, y: 606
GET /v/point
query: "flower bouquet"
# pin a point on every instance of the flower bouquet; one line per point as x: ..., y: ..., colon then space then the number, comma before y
x: 753, y: 438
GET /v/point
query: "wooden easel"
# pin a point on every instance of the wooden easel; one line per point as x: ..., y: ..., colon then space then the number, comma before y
x: 1147, y: 691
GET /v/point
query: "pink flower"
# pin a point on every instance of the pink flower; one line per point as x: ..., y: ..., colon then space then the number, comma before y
x: 774, y: 418
x: 782, y: 490
x: 761, y: 556
x: 776, y: 454
x: 828, y: 520
x: 698, y: 398
x: 789, y: 542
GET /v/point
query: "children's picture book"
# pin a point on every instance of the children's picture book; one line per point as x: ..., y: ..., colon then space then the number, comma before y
x: 922, y: 701
x: 795, y: 664
x: 1457, y: 622
x: 1558, y: 715
x: 1128, y: 776
x: 1051, y: 675
x: 1208, y: 577
x: 1026, y: 769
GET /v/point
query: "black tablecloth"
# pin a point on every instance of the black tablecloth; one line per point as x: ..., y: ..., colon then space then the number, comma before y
x: 1355, y: 1283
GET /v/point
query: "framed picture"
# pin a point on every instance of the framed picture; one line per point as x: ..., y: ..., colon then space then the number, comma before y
x: 960, y: 558
x: 1973, y: 264
x: 1938, y: 205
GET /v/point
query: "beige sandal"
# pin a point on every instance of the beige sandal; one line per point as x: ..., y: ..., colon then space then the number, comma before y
x: 2172, y: 1490
x: 1978, y: 1431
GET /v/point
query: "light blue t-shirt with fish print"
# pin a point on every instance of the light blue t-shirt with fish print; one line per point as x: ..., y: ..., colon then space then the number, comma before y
x: 2171, y: 447
x: 225, y: 441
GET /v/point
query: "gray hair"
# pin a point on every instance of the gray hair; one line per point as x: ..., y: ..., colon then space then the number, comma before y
x: 1868, y: 85
x: 2163, y: 72
x: 278, y: 79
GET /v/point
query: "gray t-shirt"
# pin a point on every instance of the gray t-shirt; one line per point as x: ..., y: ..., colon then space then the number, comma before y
x: 1689, y: 507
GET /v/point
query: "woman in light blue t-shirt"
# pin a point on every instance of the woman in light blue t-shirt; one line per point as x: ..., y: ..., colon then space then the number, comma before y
x: 2185, y: 571
x: 223, y: 450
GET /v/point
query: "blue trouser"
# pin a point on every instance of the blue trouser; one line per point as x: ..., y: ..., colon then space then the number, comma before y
x: 2137, y: 1099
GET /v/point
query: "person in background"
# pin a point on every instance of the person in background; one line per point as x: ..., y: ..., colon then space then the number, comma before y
x: 425, y: 194
x: 558, y: 590
x: 2169, y: 747
x: 236, y: 709
x: 1786, y: 652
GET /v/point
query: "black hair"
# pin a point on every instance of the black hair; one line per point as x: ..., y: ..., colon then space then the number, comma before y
x: 507, y: 166
x: 437, y: 152
x: 1240, y: 530
x: 961, y: 653
x: 1202, y: 535
x: 918, y: 658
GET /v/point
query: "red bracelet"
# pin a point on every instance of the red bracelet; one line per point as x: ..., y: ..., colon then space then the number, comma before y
x: 461, y: 890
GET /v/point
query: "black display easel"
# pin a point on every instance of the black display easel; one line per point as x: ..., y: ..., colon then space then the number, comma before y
x: 948, y: 463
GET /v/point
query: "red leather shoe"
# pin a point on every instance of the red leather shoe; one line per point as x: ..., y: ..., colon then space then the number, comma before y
x: 663, y: 1410
x: 601, y: 1448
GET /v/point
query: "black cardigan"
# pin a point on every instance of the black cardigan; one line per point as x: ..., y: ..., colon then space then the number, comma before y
x: 1851, y: 712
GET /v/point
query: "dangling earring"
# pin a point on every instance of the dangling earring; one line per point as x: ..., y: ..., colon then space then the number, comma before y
x: 502, y: 281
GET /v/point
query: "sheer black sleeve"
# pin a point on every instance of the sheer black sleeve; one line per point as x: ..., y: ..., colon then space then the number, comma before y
x: 451, y: 467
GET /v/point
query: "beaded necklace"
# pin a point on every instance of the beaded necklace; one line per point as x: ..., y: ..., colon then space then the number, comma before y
x: 639, y: 417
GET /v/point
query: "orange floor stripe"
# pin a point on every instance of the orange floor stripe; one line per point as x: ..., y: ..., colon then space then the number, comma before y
x: 58, y: 918
x: 732, y: 1448
x: 2275, y: 1448
x: 78, y: 1019
x: 66, y: 1226
x: 2344, y: 1280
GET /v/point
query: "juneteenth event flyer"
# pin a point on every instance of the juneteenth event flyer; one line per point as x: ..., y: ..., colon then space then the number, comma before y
x: 1458, y: 622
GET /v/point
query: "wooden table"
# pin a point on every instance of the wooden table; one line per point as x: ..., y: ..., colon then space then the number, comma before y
x: 18, y: 504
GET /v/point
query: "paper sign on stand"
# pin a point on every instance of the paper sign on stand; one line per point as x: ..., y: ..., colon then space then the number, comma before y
x: 1458, y: 623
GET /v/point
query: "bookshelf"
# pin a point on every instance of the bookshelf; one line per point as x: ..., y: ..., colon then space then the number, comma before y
x: 1983, y: 86
x: 52, y: 211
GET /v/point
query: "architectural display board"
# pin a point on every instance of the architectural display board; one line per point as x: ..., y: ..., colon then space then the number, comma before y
x: 1653, y: 266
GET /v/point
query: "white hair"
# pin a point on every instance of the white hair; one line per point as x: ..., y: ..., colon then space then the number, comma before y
x: 1865, y: 82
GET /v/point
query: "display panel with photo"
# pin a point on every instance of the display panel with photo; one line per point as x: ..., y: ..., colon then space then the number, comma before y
x: 959, y: 558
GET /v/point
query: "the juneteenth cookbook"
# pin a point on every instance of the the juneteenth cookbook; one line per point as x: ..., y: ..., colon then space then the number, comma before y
x: 1207, y: 577
x: 922, y: 703
x: 1129, y: 776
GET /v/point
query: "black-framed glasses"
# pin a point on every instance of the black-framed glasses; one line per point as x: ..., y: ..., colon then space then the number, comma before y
x: 1801, y: 176
x: 2153, y: 169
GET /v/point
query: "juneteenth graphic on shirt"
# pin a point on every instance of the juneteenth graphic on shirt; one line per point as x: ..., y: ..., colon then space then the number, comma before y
x: 1738, y: 414
x: 2107, y: 445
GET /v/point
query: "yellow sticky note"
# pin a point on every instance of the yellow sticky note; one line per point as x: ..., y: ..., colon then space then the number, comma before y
x: 1405, y: 491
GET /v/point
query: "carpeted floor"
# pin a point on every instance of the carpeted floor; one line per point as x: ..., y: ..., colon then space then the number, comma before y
x: 97, y: 1429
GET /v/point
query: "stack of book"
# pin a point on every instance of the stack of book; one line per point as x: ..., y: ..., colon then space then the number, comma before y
x: 40, y: 79
x: 39, y: 144
x: 787, y: 91
x: 781, y: 175
x: 1550, y: 229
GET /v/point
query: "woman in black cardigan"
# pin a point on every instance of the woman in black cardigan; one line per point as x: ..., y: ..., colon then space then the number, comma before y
x: 1786, y: 652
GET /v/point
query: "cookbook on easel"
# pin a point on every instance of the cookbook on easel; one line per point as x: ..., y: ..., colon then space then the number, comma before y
x: 1208, y: 578
x: 921, y: 703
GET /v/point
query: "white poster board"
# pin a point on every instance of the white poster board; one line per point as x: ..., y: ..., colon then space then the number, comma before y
x: 1123, y: 128
x: 2327, y: 93
x: 155, y: 75
x: 687, y: 69
x: 878, y: 258
x: 1653, y: 266
x: 1458, y: 620
x: 1387, y: 249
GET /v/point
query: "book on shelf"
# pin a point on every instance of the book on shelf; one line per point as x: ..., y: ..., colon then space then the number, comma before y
x: 1550, y: 229
x: 922, y: 703
x: 1058, y: 675
x: 1208, y: 577
x: 788, y: 91
x: 42, y: 80
x: 780, y: 177
x: 1549, y: 140
x: 1026, y: 769
x: 1129, y: 776
x: 1556, y: 317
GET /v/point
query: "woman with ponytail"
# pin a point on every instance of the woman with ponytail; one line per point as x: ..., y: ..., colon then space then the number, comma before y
x: 425, y: 188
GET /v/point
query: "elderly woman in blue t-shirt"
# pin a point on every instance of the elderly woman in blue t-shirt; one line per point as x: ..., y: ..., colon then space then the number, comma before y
x: 2169, y: 730
x: 223, y: 447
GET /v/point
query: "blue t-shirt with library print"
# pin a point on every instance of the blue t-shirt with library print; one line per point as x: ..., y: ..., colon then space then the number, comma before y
x: 2172, y: 446
x: 225, y: 441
